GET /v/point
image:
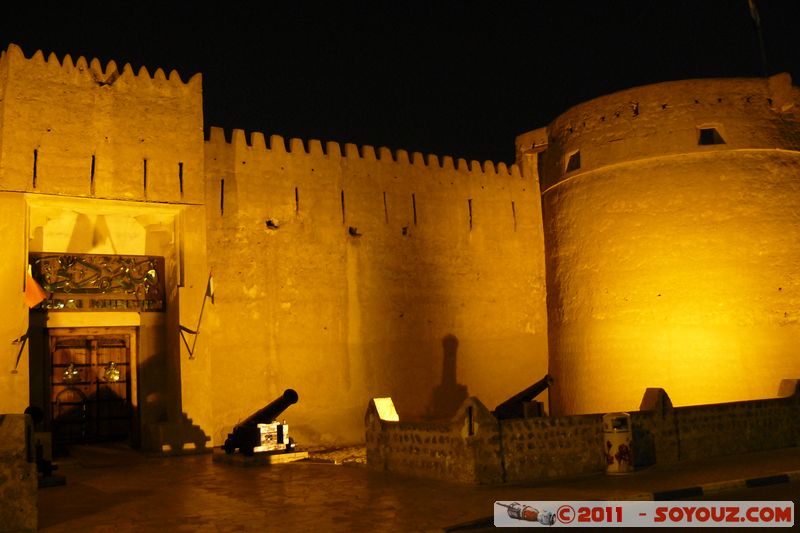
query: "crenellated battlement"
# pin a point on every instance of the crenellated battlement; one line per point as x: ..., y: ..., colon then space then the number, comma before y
x: 93, y: 72
x: 81, y: 128
x: 665, y: 119
x: 257, y: 146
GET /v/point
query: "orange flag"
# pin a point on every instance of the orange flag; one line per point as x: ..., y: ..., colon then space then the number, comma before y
x: 34, y: 293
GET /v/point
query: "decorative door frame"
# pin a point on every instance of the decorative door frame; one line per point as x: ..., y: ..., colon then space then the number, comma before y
x: 129, y: 333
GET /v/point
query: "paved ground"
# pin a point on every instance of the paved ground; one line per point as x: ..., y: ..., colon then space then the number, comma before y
x: 112, y: 488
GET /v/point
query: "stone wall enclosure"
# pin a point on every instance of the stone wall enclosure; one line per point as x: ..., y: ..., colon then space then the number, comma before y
x: 475, y: 447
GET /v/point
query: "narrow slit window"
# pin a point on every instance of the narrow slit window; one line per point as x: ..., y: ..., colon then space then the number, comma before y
x: 144, y: 176
x: 414, y: 206
x: 385, y: 209
x: 35, y: 163
x: 574, y: 161
x: 91, y: 176
x: 222, y: 197
x: 469, y: 205
x: 180, y: 176
x: 343, y: 212
x: 709, y: 136
x: 514, y: 214
x: 296, y: 200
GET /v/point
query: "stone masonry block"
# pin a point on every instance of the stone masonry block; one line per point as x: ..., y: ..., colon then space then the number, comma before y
x: 18, y: 482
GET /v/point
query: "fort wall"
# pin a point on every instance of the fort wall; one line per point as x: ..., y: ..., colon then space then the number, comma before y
x: 78, y: 129
x: 350, y: 272
x: 670, y: 259
x: 14, y: 397
x: 665, y: 119
x: 666, y: 215
x: 101, y: 160
x: 341, y: 271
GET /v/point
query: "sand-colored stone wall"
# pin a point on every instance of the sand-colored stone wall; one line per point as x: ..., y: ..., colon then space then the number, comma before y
x: 671, y: 263
x: 75, y: 128
x: 102, y: 160
x: 664, y: 119
x: 347, y: 274
x: 18, y: 483
x: 381, y: 274
x: 13, y: 311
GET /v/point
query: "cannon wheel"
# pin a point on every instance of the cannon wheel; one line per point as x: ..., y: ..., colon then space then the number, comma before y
x: 229, y: 446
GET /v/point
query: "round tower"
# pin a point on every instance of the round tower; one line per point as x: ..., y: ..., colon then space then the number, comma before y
x: 672, y: 233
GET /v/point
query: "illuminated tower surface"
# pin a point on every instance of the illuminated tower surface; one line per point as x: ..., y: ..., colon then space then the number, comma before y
x: 671, y: 220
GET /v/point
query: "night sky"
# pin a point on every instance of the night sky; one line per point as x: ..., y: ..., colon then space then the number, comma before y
x: 449, y: 78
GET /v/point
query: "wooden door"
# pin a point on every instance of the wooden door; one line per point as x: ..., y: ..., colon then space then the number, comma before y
x: 90, y: 386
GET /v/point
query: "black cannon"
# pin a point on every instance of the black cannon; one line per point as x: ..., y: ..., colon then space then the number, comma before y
x: 514, y: 407
x: 260, y: 432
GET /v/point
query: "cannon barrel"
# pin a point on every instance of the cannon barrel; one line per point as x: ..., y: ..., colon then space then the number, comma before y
x: 513, y: 407
x: 246, y: 435
x: 273, y: 409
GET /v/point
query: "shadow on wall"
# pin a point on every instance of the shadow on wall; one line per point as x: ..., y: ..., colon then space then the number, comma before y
x: 165, y: 428
x: 449, y: 394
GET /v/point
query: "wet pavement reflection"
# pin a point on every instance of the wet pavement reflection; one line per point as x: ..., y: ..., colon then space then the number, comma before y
x: 113, y: 488
x: 121, y: 490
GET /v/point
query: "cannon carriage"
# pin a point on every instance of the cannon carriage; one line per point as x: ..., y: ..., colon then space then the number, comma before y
x: 260, y: 432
